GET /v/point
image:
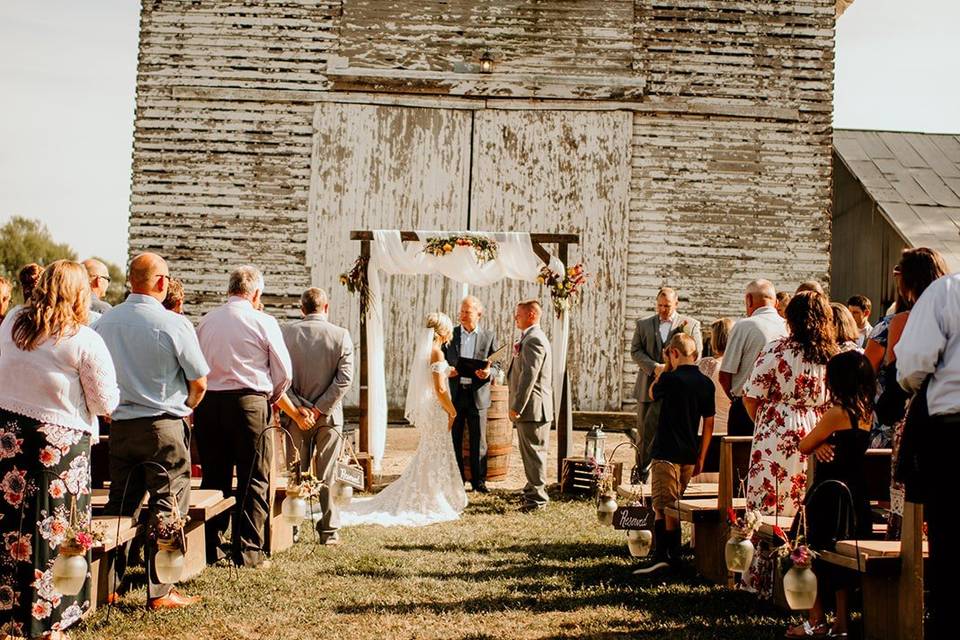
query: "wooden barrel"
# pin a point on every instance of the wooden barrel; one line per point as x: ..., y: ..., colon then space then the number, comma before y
x: 499, y: 436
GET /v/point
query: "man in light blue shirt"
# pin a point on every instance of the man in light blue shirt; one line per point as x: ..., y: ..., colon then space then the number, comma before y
x: 162, y: 376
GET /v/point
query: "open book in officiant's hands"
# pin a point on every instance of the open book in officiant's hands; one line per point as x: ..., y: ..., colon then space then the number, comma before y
x: 469, y: 367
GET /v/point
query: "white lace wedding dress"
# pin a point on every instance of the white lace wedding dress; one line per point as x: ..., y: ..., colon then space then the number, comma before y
x: 430, y: 489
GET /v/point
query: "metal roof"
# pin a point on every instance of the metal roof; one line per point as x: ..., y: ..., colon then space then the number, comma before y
x: 915, y: 180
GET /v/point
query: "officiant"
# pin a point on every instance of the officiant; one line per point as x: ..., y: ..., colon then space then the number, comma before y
x: 470, y: 387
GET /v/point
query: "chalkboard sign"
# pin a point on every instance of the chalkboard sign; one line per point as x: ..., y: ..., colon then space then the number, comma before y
x: 635, y: 517
x: 349, y: 474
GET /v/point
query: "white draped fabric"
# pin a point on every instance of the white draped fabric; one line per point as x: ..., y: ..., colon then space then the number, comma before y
x: 388, y: 254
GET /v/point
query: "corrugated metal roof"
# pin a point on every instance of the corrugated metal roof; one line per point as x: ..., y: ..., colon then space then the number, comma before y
x: 915, y: 180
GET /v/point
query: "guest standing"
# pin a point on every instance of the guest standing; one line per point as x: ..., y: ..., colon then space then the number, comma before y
x: 844, y: 327
x: 46, y: 420
x: 649, y: 338
x: 163, y: 376
x: 28, y: 277
x: 747, y: 338
x: 471, y: 393
x: 249, y: 370
x: 783, y: 299
x: 322, y: 357
x: 839, y: 442
x: 810, y: 285
x: 929, y: 350
x: 710, y: 367
x: 531, y: 401
x: 99, y: 283
x: 174, y: 299
x: 860, y: 307
x: 785, y: 397
x: 917, y: 269
x: 6, y: 291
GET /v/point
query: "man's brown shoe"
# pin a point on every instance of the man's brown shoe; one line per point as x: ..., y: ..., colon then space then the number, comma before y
x: 173, y: 600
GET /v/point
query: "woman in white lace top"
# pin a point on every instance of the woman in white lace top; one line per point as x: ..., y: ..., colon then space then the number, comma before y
x: 56, y: 377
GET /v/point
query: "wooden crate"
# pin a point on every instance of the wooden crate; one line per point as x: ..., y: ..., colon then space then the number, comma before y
x: 578, y: 476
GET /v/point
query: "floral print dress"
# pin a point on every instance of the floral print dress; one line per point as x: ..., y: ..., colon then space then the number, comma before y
x: 44, y: 468
x: 792, y: 396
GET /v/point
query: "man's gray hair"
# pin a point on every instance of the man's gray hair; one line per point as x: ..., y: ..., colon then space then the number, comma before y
x: 762, y: 289
x: 245, y: 281
x: 474, y: 300
x: 313, y: 300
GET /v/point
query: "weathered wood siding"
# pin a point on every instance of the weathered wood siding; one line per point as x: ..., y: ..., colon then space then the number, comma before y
x: 730, y: 147
x: 382, y: 167
x: 562, y: 171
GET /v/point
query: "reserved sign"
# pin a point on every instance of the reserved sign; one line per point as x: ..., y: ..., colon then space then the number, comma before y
x: 634, y: 517
x: 350, y: 475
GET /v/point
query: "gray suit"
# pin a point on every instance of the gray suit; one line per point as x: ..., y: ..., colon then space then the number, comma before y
x: 531, y: 396
x: 322, y: 357
x: 647, y: 351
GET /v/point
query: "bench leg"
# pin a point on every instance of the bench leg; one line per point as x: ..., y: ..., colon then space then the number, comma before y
x: 709, y: 540
x: 881, y: 599
x: 195, y: 559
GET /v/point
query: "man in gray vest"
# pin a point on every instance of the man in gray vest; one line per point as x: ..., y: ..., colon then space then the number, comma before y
x: 531, y: 401
x: 649, y: 338
x: 322, y: 357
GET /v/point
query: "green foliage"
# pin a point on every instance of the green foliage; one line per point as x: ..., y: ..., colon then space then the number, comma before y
x: 23, y: 241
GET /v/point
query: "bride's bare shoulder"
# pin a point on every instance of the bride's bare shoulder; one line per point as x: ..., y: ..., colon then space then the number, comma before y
x: 436, y: 354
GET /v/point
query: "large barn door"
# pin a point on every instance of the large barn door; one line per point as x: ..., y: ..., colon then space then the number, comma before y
x: 562, y: 171
x: 385, y: 167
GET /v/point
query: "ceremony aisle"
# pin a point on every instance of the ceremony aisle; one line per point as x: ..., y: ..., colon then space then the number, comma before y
x: 494, y: 574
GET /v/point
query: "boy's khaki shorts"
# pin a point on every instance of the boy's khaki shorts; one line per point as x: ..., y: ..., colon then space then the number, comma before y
x: 668, y: 481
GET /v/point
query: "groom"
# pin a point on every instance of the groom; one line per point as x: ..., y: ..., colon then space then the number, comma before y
x: 471, y: 395
x: 531, y: 401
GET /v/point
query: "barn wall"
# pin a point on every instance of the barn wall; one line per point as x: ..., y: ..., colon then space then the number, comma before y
x: 730, y: 158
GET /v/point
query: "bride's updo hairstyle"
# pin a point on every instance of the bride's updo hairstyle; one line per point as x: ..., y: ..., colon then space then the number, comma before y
x: 441, y: 325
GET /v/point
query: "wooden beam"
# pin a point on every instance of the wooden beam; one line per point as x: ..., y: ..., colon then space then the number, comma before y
x: 537, y: 238
x: 565, y: 421
x: 364, y: 372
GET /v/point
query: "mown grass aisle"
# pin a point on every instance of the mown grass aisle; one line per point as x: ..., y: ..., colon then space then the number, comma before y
x: 494, y: 574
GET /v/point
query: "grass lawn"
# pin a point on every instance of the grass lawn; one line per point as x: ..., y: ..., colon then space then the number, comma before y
x: 496, y: 573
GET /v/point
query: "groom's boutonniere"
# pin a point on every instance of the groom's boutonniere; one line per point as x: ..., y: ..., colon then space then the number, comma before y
x: 516, y: 349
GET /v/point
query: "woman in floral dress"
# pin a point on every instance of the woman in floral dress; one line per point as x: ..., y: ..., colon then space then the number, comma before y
x: 56, y: 377
x: 786, y: 395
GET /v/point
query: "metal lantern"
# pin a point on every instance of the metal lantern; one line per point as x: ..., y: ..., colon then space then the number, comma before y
x: 294, y: 507
x: 486, y: 62
x: 169, y: 561
x: 69, y: 571
x: 595, y: 445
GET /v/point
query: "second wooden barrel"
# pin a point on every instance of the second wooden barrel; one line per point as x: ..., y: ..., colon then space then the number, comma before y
x: 499, y: 436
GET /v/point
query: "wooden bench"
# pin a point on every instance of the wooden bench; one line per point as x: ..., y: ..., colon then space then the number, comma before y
x: 101, y: 582
x: 709, y: 515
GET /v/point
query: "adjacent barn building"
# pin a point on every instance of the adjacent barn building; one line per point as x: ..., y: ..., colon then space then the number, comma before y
x: 688, y: 142
x: 891, y: 190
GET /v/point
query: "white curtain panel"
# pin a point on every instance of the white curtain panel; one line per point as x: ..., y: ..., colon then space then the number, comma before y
x: 388, y: 254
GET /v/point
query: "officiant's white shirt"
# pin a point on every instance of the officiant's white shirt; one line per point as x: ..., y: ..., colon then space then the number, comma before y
x: 468, y: 346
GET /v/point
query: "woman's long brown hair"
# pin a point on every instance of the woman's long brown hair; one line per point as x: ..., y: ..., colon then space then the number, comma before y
x: 57, y: 307
x: 811, y: 326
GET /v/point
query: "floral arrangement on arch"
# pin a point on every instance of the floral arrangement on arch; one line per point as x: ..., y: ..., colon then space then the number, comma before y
x: 484, y: 248
x: 563, y: 288
x: 355, y: 280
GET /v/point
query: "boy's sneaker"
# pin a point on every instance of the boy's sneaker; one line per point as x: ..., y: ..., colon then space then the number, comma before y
x: 654, y: 567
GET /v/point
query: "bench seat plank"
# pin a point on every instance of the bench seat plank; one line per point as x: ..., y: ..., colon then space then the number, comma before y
x: 694, y: 490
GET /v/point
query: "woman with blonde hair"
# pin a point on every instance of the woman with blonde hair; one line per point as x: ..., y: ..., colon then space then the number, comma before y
x: 710, y: 367
x: 430, y: 489
x: 46, y: 422
x: 845, y: 327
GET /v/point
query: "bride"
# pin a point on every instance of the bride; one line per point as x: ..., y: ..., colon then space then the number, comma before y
x: 430, y: 489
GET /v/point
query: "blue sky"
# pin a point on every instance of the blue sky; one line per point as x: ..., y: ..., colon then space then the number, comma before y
x: 68, y: 80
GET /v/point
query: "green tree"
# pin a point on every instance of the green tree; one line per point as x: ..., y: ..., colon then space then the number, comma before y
x: 23, y: 241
